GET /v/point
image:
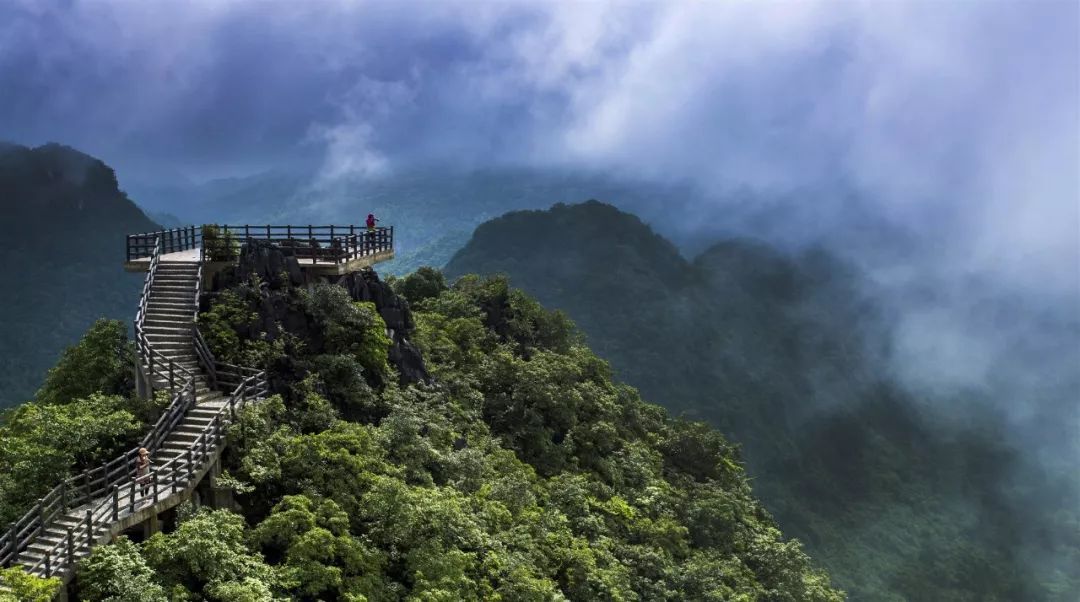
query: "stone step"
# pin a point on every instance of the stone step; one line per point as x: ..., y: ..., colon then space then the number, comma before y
x: 178, y: 266
x: 169, y: 305
x: 184, y: 315
x: 173, y: 297
x: 167, y: 315
x: 162, y: 365
x: 157, y: 344
x: 178, y: 362
x: 187, y: 288
x: 168, y: 331
x: 174, y: 282
x: 157, y: 338
x: 168, y: 328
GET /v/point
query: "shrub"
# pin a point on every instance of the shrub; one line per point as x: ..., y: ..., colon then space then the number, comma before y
x: 24, y: 587
x: 219, y: 246
x: 424, y: 283
x: 118, y: 573
x: 101, y: 362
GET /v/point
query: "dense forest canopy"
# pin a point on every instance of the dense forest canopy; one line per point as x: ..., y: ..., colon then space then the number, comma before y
x: 901, y: 496
x: 518, y: 469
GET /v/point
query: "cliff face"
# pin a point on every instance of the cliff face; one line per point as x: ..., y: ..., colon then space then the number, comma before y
x: 280, y: 312
x: 394, y: 310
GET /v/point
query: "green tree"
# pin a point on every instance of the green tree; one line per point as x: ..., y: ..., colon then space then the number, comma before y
x: 353, y: 328
x: 42, y: 444
x: 118, y: 573
x: 319, y: 558
x: 19, y: 586
x: 207, y: 555
x: 424, y: 283
x: 101, y: 362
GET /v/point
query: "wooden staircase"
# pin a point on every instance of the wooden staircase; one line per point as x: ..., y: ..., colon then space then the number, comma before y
x: 93, y: 507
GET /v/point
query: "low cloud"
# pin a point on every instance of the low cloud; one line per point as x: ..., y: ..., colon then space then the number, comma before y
x: 955, y: 123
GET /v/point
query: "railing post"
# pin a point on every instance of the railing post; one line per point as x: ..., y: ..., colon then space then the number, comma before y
x: 131, y: 500
x: 267, y: 231
x: 172, y: 379
x: 48, y: 564
x: 190, y: 464
x: 150, y: 361
x: 70, y: 548
x: 9, y: 547
x: 115, y: 502
x: 87, y: 478
x: 41, y: 519
x: 89, y: 527
x: 154, y: 482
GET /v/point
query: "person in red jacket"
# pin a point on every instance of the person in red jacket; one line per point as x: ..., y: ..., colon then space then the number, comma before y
x: 371, y: 230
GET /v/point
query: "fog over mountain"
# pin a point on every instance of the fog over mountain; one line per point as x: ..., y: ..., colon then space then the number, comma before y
x: 955, y: 117
x: 932, y: 144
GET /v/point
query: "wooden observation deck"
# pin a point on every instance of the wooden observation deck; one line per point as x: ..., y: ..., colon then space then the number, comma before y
x: 321, y: 250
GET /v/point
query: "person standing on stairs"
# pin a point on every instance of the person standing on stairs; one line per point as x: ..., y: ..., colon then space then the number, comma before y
x: 142, y: 470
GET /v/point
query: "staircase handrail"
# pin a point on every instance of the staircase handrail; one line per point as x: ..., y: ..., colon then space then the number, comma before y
x: 172, y: 240
x: 175, y: 474
x: 76, y: 490
x: 110, y: 477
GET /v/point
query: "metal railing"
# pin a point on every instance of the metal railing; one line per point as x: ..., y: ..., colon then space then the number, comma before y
x: 102, y: 488
x: 170, y: 478
x: 146, y: 244
x: 331, y: 244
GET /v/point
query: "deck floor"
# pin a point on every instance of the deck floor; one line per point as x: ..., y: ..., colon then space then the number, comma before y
x: 314, y: 265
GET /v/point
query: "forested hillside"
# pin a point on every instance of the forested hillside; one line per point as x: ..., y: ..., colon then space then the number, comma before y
x: 510, y: 466
x: 785, y: 355
x: 64, y: 221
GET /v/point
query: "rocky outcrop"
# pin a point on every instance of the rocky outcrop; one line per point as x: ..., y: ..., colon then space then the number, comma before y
x: 279, y: 274
x: 394, y: 310
x: 273, y: 265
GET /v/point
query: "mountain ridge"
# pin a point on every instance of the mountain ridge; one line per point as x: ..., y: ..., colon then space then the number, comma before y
x: 63, y: 258
x: 788, y: 354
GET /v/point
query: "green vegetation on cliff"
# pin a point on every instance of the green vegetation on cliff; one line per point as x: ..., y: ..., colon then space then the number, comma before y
x: 521, y: 471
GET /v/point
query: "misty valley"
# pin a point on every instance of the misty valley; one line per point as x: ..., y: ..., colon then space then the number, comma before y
x: 539, y: 301
x: 786, y: 354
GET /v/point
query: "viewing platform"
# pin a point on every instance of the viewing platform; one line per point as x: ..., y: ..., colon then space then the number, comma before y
x: 320, y: 250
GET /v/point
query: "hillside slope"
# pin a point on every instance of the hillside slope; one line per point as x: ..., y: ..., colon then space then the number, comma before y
x: 786, y: 356
x: 509, y: 467
x: 64, y: 224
